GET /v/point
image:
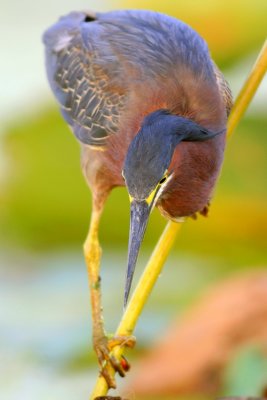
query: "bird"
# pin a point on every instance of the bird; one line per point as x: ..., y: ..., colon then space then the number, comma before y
x: 149, y: 107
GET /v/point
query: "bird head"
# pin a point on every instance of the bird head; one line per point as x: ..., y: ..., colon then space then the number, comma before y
x: 147, y: 174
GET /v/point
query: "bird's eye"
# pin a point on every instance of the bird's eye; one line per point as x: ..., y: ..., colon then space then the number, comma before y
x: 162, y: 180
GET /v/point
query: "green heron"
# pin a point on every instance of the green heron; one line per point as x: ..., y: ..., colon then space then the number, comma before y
x: 149, y: 108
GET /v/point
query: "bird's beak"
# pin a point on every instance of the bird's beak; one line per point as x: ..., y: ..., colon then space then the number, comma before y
x: 140, y: 211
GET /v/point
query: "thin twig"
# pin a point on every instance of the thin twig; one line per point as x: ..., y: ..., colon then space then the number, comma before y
x: 162, y: 250
x: 248, y: 90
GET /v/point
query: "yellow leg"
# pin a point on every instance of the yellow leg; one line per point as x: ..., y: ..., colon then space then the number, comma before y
x: 102, y: 345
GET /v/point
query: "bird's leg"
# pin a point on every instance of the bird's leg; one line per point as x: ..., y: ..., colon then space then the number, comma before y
x: 102, y: 344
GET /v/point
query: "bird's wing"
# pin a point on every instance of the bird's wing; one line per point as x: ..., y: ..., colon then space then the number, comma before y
x: 224, y: 89
x: 91, y: 98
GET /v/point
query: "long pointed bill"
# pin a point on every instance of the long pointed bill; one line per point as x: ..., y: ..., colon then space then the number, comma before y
x: 140, y: 211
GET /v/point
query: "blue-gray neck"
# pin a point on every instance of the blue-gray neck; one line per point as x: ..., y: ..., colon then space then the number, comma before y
x: 151, y: 150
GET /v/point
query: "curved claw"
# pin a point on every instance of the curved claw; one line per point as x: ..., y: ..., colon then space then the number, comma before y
x: 107, y: 361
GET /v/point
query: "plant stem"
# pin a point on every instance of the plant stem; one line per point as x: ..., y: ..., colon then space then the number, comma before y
x: 162, y: 250
x: 248, y: 90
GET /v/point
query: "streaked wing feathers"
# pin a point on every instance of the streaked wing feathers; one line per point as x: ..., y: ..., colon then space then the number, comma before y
x: 90, y: 103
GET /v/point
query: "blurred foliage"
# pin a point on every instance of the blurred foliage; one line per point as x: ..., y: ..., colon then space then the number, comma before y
x: 231, y: 28
x: 44, y: 192
x: 46, y: 203
x: 246, y: 373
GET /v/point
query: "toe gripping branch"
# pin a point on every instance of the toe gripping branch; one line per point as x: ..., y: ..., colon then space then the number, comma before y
x: 108, y: 361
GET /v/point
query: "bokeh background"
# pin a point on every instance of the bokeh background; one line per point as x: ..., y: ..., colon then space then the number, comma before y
x: 45, y: 207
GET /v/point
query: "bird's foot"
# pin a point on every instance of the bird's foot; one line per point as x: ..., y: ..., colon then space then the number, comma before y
x: 103, y: 347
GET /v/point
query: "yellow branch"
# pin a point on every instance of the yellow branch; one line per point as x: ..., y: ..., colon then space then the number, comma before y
x: 248, y: 90
x: 167, y: 239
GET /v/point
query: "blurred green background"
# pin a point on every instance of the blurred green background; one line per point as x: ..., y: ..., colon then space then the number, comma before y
x: 45, y: 205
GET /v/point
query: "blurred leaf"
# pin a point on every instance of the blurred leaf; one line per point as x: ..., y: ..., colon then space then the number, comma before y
x: 44, y: 191
x: 247, y: 373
